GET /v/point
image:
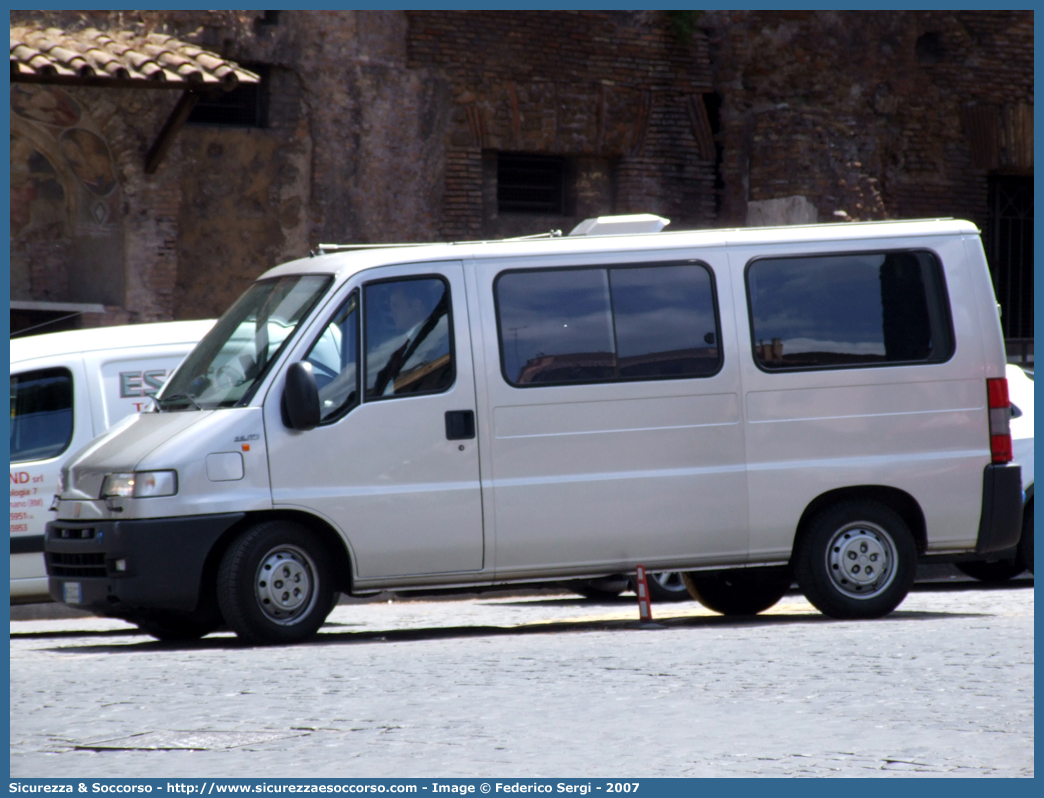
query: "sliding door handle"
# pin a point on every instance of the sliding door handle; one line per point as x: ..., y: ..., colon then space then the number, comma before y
x: 460, y: 425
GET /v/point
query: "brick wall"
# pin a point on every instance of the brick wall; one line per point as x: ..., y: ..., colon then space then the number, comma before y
x: 610, y: 90
x: 385, y: 126
x: 872, y: 113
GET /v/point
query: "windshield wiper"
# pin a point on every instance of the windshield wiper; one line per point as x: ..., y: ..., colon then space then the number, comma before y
x: 176, y: 397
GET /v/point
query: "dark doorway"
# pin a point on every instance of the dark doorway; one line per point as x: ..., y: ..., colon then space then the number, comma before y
x: 1009, y: 248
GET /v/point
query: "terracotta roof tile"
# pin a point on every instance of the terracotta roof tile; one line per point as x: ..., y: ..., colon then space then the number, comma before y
x: 98, y: 56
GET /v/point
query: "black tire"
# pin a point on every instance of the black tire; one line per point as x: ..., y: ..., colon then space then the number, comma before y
x: 667, y: 586
x: 878, y: 553
x: 263, y: 608
x: 740, y: 591
x: 999, y: 571
x: 1025, y: 553
x: 172, y: 629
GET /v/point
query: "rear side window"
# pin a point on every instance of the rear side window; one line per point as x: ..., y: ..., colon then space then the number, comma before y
x: 847, y: 311
x: 601, y: 324
x: 41, y: 414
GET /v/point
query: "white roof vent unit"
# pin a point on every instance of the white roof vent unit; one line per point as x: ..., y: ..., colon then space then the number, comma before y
x: 620, y: 225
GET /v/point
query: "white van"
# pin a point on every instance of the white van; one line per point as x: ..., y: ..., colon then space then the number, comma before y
x: 1001, y: 566
x: 826, y: 403
x: 66, y: 389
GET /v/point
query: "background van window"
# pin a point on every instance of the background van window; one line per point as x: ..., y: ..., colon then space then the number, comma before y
x: 41, y: 414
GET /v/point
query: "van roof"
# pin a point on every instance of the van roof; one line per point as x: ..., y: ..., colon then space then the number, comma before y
x: 101, y: 338
x: 354, y: 258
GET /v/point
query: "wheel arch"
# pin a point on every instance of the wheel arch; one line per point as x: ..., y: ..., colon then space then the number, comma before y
x: 897, y: 500
x: 335, y: 544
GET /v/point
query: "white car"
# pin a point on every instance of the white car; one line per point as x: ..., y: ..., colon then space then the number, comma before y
x: 1020, y: 392
x: 67, y: 388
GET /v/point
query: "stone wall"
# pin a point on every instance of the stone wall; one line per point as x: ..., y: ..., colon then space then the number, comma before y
x: 615, y: 92
x: 338, y: 161
x: 872, y: 115
x: 385, y: 126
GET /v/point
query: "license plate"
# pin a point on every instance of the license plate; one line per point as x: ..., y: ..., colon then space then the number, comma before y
x: 72, y: 593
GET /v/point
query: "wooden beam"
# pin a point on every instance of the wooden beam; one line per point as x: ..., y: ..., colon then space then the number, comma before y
x: 118, y: 83
x: 170, y: 130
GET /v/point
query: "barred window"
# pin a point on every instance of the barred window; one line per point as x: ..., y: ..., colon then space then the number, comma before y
x: 531, y: 184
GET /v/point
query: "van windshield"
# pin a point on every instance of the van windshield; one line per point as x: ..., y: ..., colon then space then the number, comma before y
x: 232, y: 358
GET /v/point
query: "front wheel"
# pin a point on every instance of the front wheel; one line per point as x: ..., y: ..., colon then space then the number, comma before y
x: 274, y: 584
x: 856, y: 560
x: 741, y: 591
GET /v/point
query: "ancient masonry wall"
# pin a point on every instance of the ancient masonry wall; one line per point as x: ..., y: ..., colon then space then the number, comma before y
x: 876, y: 115
x: 619, y: 93
x: 385, y: 126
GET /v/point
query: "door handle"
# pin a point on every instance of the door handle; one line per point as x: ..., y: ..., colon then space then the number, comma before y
x: 460, y: 425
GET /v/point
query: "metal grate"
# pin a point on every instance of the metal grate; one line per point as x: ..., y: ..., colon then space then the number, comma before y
x: 1009, y: 236
x: 531, y: 184
x: 68, y: 564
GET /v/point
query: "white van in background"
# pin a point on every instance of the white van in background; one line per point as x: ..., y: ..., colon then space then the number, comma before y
x: 824, y: 404
x: 1005, y: 565
x: 66, y: 389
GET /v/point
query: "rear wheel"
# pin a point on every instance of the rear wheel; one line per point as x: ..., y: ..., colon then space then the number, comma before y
x: 741, y: 591
x: 856, y: 560
x: 667, y: 586
x: 274, y: 584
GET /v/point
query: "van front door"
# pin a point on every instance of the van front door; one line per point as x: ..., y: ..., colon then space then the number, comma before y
x: 394, y: 461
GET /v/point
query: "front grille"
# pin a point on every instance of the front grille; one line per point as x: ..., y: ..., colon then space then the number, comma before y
x: 65, y: 564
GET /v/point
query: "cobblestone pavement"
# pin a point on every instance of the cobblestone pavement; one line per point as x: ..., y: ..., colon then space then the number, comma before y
x: 541, y: 685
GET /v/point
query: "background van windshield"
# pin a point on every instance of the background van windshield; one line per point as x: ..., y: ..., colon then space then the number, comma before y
x: 233, y: 357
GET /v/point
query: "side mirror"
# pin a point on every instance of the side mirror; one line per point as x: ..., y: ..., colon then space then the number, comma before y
x: 301, y: 397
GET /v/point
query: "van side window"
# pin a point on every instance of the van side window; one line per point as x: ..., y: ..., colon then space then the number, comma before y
x: 847, y: 311
x: 41, y: 414
x: 565, y: 326
x: 334, y: 358
x: 408, y: 339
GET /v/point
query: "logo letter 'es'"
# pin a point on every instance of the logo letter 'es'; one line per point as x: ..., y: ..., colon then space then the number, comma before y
x: 154, y: 381
x: 130, y: 384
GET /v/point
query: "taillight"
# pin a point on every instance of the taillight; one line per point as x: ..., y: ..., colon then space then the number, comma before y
x: 1000, y: 420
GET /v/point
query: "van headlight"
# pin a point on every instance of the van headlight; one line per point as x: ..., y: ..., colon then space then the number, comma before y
x: 140, y: 484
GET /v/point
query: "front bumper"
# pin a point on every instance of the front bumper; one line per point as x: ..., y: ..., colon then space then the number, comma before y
x: 118, y: 568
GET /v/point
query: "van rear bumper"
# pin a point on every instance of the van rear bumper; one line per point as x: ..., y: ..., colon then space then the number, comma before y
x: 1001, y: 523
x: 118, y: 568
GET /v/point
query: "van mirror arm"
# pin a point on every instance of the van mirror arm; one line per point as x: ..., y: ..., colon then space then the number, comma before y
x: 301, y: 397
